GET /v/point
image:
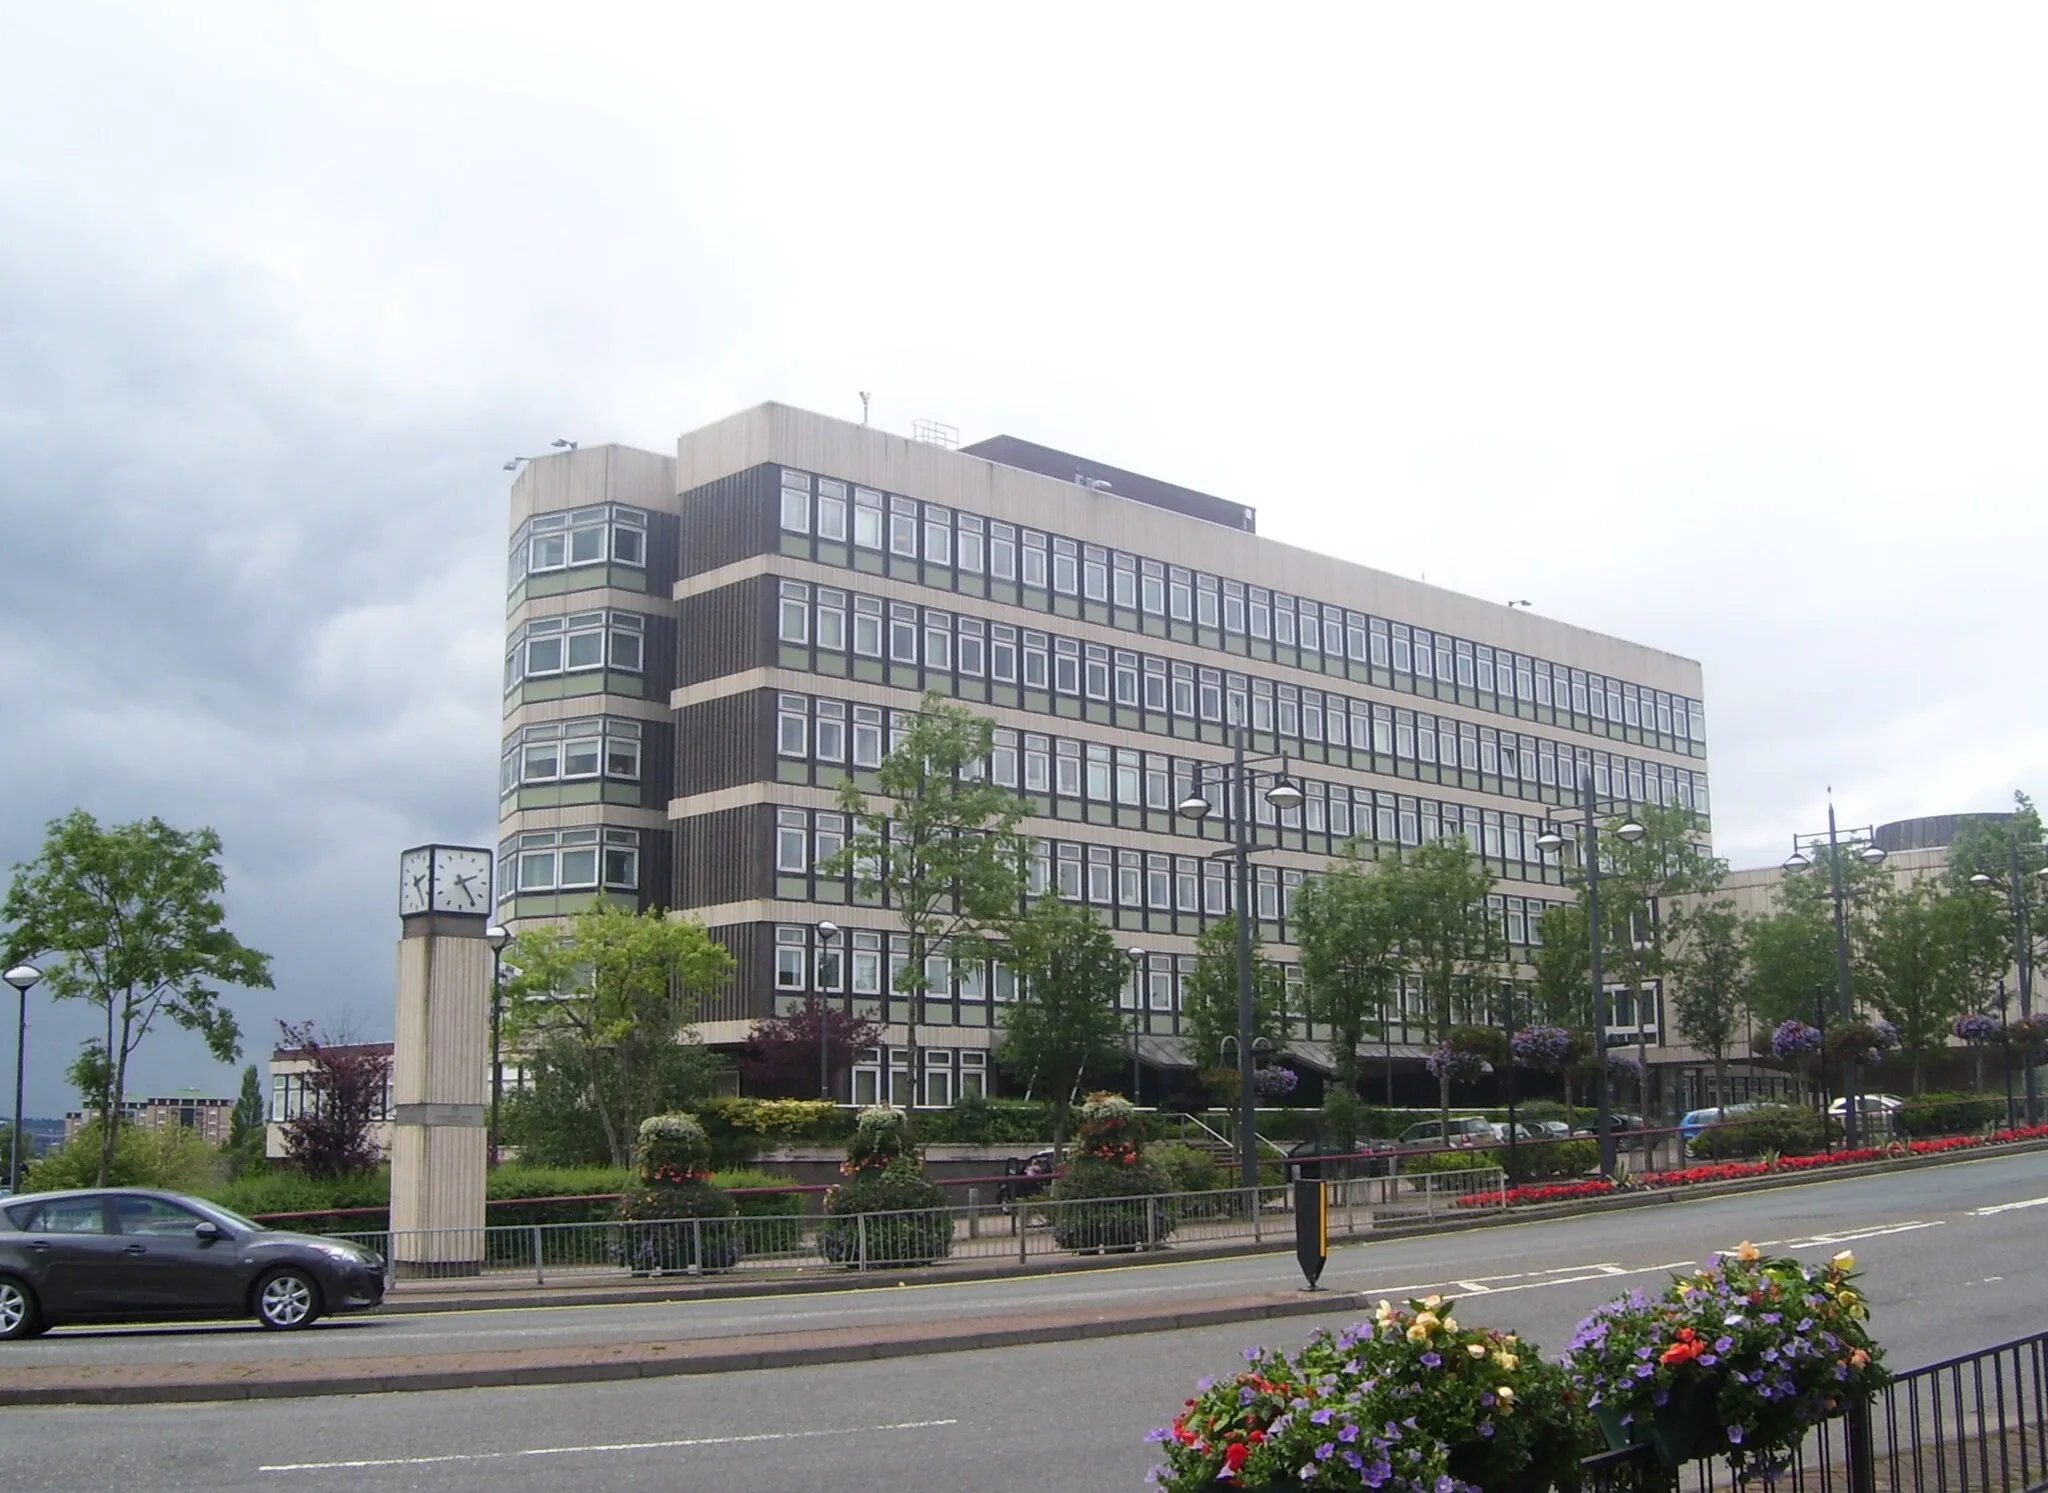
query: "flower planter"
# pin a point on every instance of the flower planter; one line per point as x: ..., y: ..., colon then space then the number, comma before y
x: 1683, y: 1429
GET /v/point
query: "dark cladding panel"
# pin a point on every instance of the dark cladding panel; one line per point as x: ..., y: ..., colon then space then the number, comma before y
x: 724, y: 857
x: 725, y: 742
x: 1064, y: 466
x: 749, y: 995
x: 725, y: 631
x: 729, y: 519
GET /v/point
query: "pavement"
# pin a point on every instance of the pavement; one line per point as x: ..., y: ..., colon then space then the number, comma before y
x: 656, y: 1335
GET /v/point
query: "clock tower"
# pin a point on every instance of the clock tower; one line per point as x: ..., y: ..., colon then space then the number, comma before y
x: 439, y: 1062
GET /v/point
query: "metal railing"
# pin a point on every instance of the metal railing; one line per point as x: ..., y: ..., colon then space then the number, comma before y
x: 1030, y: 1228
x: 1977, y: 1423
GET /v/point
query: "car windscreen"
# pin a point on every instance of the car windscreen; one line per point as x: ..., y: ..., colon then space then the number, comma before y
x: 226, y: 1216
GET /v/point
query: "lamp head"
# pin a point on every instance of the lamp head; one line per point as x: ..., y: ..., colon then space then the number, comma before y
x: 497, y: 936
x: 22, y: 976
x: 1629, y: 832
x: 1284, y: 794
x: 561, y: 443
x: 1550, y: 839
x: 1873, y: 855
x: 1980, y: 879
x: 1797, y: 861
x: 828, y: 930
x: 1194, y: 806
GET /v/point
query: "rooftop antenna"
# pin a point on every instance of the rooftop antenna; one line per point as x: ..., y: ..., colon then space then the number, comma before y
x: 863, y: 406
x: 1513, y: 604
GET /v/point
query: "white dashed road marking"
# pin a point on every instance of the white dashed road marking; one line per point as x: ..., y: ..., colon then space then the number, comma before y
x: 621, y: 1446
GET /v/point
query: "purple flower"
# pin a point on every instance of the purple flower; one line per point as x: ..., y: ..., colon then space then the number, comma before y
x: 1734, y: 1434
x: 1432, y: 1361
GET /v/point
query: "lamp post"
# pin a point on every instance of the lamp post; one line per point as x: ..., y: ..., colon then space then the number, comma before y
x: 1235, y: 778
x: 2023, y: 956
x: 497, y: 937
x: 22, y: 977
x: 827, y: 932
x: 1871, y: 854
x: 1137, y: 957
x: 1588, y: 842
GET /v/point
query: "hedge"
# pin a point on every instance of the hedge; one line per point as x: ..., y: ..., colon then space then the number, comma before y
x: 1948, y: 1113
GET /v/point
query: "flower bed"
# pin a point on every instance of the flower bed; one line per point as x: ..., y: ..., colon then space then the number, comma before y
x: 1735, y: 1171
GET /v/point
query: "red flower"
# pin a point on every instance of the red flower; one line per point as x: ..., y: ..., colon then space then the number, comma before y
x: 1234, y: 1455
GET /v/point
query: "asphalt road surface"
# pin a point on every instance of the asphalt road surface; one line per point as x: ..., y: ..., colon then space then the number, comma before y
x: 1946, y: 1252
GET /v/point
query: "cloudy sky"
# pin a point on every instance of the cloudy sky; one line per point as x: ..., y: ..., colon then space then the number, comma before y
x: 1718, y: 329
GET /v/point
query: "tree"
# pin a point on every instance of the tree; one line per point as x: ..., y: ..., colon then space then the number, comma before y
x: 780, y: 1060
x: 1448, y: 934
x: 943, y: 852
x: 1986, y: 847
x: 1640, y: 882
x: 1706, y: 1005
x: 1563, y: 994
x: 333, y: 1134
x: 128, y: 919
x: 1927, y: 956
x: 1349, y: 931
x: 1064, y: 1021
x: 246, y: 1130
x: 608, y: 1000
x: 1209, y: 997
x: 1791, y: 948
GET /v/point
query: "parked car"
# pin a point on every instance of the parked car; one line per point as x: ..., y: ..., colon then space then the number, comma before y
x: 129, y: 1255
x: 1524, y: 1130
x: 1026, y: 1177
x: 1692, y: 1122
x: 1556, y: 1129
x: 1461, y: 1130
x: 1312, y: 1159
x: 1878, y: 1113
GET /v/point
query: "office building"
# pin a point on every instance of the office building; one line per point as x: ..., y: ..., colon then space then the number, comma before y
x: 700, y: 648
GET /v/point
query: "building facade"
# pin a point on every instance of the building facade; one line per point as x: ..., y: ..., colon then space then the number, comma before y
x: 700, y: 649
x: 291, y: 1095
x: 207, y: 1117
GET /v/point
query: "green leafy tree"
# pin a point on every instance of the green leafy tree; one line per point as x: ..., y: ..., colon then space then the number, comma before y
x: 1985, y: 847
x: 1640, y: 883
x: 246, y: 1128
x: 1927, y: 956
x: 1563, y: 994
x: 1791, y: 948
x: 1448, y: 935
x: 942, y: 850
x: 610, y: 999
x: 1349, y: 931
x: 1209, y: 997
x: 128, y: 919
x: 1707, y: 991
x: 1064, y: 1021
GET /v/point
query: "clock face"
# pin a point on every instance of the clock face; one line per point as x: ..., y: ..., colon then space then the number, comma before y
x: 462, y: 881
x: 415, y: 881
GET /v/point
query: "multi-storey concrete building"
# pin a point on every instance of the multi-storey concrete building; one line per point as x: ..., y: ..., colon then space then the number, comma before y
x: 208, y: 1117
x: 701, y: 648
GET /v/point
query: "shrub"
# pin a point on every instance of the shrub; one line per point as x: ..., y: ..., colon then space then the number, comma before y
x: 1781, y: 1128
x: 175, y: 1159
x: 1948, y: 1114
x: 1536, y: 1161
x: 264, y: 1194
x: 673, y: 1213
x: 1102, y: 1198
x: 590, y: 1194
x: 761, y: 1204
x: 976, y: 1121
x: 1186, y: 1168
x: 888, y: 1212
x: 738, y: 1130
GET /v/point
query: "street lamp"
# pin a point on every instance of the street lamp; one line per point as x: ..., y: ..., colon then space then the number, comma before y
x: 1871, y: 854
x: 497, y: 936
x: 21, y: 977
x: 1588, y: 845
x: 1235, y: 779
x: 2023, y: 952
x: 827, y: 931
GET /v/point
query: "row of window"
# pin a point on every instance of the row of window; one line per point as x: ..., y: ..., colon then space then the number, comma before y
x: 547, y: 542
x: 1056, y: 565
x: 1110, y: 877
x: 834, y: 733
x: 568, y: 860
x: 584, y: 640
x: 606, y: 746
x: 1163, y: 690
x: 942, y: 1067
x: 292, y: 1095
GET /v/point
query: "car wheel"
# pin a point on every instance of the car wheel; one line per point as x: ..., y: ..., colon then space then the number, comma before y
x: 286, y: 1300
x: 19, y: 1315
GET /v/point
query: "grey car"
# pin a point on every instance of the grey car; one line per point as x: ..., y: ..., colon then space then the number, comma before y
x: 132, y: 1255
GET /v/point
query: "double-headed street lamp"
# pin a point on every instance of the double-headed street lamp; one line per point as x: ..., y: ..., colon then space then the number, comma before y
x: 827, y: 932
x: 22, y: 977
x: 497, y: 937
x: 1866, y: 849
x: 1588, y: 842
x: 2015, y: 890
x: 1236, y: 778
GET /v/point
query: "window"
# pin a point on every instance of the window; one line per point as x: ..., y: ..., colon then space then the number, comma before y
x: 1152, y: 587
x: 1403, y: 656
x: 1233, y: 606
x: 831, y: 509
x: 1543, y: 684
x: 1065, y: 578
x: 867, y: 736
x: 1066, y: 666
x: 1095, y: 573
x: 831, y: 734
x: 969, y: 544
x: 1158, y: 882
x: 1377, y: 638
x: 1035, y: 660
x: 1037, y: 765
x: 1425, y: 667
x: 1034, y: 559
x: 938, y: 641
x: 972, y: 659
x: 1095, y: 672
x: 1125, y: 582
x: 1069, y: 873
x: 1596, y: 691
x: 867, y: 519
x: 1464, y: 664
x: 1183, y: 689
x: 792, y: 721
x: 903, y: 528
x: 831, y: 619
x: 795, y: 615
x: 1311, y: 627
x: 1486, y: 669
x: 1180, y: 600
x: 1425, y: 738
x: 789, y: 958
x: 1215, y: 894
x: 1130, y: 878
x: 1205, y: 600
x: 1002, y: 552
x: 867, y: 626
x: 1288, y: 713
x: 1098, y: 765
x: 902, y: 633
x: 796, y: 503
x: 1126, y: 678
x: 1155, y: 684
x: 867, y: 963
x: 1283, y: 619
x: 1099, y: 875
x: 938, y: 536
x: 1003, y: 759
x: 792, y: 833
x: 1067, y: 764
x: 1130, y: 776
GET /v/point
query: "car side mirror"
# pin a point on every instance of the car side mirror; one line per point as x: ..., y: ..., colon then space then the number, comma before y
x: 206, y: 1228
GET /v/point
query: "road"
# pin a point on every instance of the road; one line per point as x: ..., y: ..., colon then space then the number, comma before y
x: 1944, y: 1251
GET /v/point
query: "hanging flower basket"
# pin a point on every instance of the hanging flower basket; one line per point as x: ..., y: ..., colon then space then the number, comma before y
x: 1795, y: 1039
x: 1977, y: 1029
x: 1544, y: 1048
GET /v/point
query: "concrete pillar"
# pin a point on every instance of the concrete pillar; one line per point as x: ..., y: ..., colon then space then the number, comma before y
x: 439, y: 1080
